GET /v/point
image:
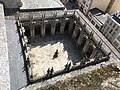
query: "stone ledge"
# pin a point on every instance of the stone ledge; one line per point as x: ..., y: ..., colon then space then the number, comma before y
x: 4, y: 63
x: 41, y: 4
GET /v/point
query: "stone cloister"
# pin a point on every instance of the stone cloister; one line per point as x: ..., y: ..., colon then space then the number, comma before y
x: 57, y: 23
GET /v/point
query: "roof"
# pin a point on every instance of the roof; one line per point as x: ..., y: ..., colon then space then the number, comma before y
x: 41, y: 4
x: 102, y: 18
x: 116, y: 16
x: 96, y: 11
x: 99, y: 15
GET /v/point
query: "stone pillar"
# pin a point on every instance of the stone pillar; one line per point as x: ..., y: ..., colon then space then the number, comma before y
x: 43, y: 29
x: 80, y: 37
x: 62, y: 26
x: 71, y: 26
x: 80, y: 40
x: 86, y: 46
x: 63, y: 23
x: 31, y: 33
x: 53, y: 24
x: 83, y: 61
x: 32, y: 30
x: 53, y: 28
x: 43, y: 26
x: 75, y: 31
x: 94, y: 52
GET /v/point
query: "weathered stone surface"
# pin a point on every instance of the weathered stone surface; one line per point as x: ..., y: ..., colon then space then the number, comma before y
x: 16, y: 61
x: 42, y: 50
x: 4, y: 63
x: 11, y: 3
x: 97, y: 37
x: 41, y: 4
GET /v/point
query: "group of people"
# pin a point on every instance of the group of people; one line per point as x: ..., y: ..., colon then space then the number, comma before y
x: 50, y: 72
x: 67, y: 66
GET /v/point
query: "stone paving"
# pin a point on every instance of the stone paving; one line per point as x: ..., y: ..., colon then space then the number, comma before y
x: 42, y: 51
x: 16, y: 61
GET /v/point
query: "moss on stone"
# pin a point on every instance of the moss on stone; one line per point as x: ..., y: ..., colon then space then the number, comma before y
x: 87, y: 81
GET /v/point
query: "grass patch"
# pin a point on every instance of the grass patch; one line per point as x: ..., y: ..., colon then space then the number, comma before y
x: 85, y: 81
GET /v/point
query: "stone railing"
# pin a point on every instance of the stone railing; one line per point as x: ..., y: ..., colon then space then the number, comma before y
x: 84, y: 63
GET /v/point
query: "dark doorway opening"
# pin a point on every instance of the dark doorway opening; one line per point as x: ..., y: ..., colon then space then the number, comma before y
x: 89, y: 51
x: 37, y: 30
x: 27, y: 30
x: 57, y: 28
x: 83, y: 42
x: 48, y: 29
x: 77, y: 36
x: 66, y: 26
x: 73, y: 28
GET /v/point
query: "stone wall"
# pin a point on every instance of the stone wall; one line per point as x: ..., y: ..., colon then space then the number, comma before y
x: 11, y: 3
x: 4, y: 62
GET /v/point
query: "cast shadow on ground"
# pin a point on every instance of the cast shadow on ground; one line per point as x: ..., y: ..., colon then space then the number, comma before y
x: 74, y: 53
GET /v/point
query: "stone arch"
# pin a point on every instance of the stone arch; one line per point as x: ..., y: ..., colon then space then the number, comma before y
x: 73, y: 28
x: 67, y: 26
x: 48, y: 29
x: 84, y: 39
x: 57, y: 28
x: 89, y: 51
x: 37, y: 30
x: 27, y: 30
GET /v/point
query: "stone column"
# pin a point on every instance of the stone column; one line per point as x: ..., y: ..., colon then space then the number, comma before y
x: 53, y: 24
x: 32, y: 30
x: 80, y: 40
x: 31, y: 33
x: 71, y: 26
x: 43, y: 29
x: 62, y: 26
x: 94, y: 52
x: 86, y: 46
x: 53, y: 28
x: 43, y: 25
x: 75, y: 31
x: 80, y: 37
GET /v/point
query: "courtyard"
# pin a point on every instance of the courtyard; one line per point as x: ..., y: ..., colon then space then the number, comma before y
x: 41, y: 51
